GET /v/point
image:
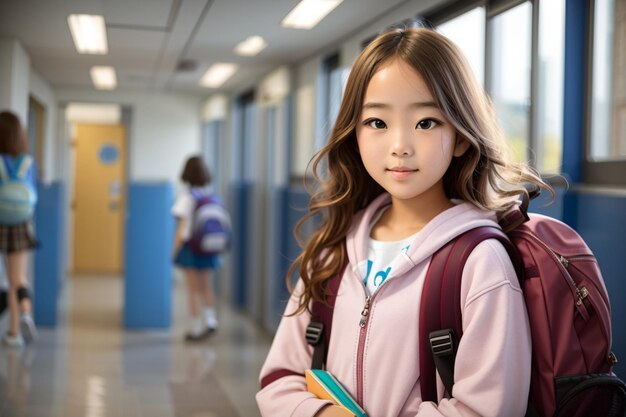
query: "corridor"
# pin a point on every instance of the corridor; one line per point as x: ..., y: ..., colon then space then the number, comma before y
x: 89, y: 366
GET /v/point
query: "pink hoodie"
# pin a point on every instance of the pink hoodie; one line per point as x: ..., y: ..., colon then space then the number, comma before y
x: 378, y: 364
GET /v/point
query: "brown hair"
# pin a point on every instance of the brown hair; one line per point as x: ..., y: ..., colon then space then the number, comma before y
x: 196, y: 173
x: 12, y: 135
x: 483, y: 175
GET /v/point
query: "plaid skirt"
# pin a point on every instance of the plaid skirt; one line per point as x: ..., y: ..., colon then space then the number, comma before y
x: 15, y: 238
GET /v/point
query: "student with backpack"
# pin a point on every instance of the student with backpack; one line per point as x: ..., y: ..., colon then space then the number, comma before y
x: 415, y: 159
x: 17, y: 202
x: 197, y: 212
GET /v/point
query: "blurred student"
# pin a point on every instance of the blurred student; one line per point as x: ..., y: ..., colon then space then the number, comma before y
x: 17, y: 238
x: 197, y: 269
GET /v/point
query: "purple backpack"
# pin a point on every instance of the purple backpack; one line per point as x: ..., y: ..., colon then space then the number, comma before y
x: 568, y: 308
x: 210, y: 226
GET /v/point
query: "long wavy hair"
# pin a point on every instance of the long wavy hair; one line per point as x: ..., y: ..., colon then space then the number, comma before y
x: 484, y: 175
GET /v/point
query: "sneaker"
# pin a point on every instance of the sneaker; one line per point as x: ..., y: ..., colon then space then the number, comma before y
x: 13, y: 340
x: 27, y: 327
x: 195, y: 337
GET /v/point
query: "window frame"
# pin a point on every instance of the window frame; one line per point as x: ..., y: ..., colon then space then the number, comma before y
x: 494, y: 8
x: 608, y: 172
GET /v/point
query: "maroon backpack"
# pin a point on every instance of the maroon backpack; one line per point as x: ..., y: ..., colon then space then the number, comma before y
x: 568, y: 308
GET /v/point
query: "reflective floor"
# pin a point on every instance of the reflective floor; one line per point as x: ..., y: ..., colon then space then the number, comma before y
x: 88, y: 366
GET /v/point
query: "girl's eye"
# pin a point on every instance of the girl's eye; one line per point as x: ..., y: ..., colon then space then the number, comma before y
x: 375, y: 123
x: 426, y: 124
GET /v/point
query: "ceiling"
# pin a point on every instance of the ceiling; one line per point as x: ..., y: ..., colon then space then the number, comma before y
x: 149, y: 38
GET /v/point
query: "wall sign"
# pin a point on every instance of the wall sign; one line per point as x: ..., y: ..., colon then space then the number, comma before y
x: 108, y: 153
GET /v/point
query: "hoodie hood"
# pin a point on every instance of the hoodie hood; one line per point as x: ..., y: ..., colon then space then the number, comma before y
x: 440, y: 230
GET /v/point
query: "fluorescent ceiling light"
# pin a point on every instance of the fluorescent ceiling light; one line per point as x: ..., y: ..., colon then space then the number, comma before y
x: 103, y: 77
x: 89, y: 33
x: 217, y: 74
x: 251, y: 46
x: 309, y: 13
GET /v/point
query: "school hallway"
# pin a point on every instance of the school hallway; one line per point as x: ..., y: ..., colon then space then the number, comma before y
x: 90, y: 366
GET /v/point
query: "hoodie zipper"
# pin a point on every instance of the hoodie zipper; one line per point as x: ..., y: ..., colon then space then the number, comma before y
x: 361, y: 349
x: 363, y: 325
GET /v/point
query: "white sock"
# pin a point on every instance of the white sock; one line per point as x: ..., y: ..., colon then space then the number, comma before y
x: 196, y: 327
x: 210, y: 318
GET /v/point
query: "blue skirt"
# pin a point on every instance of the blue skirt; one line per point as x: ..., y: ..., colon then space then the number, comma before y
x: 185, y: 258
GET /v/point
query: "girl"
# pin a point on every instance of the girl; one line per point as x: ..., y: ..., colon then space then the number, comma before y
x: 197, y: 269
x: 16, y: 240
x: 415, y: 158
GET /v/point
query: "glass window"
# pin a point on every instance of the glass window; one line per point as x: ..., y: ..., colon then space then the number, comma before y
x: 549, y: 100
x: 608, y: 89
x: 510, y: 66
x: 330, y: 90
x: 520, y: 60
x: 245, y: 127
x: 468, y: 32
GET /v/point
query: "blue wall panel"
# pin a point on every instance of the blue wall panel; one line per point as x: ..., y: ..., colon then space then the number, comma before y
x: 573, y: 93
x: 148, y: 256
x: 242, y: 234
x: 601, y: 222
x: 49, y: 257
x: 284, y: 241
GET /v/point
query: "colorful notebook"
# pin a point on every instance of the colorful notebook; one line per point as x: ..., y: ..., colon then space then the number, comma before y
x: 326, y: 387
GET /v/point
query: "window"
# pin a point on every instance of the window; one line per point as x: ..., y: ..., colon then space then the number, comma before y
x: 330, y: 91
x: 605, y: 161
x: 509, y: 74
x: 518, y: 53
x: 245, y: 126
x: 468, y: 32
x: 608, y: 90
x: 549, y: 94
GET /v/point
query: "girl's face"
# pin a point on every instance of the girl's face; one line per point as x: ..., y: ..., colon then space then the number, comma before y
x: 405, y: 141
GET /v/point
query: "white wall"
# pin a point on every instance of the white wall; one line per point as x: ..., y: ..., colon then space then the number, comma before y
x: 164, y: 130
x: 14, y: 75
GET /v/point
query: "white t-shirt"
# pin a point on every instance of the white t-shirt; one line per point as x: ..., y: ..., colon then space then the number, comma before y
x: 183, y: 209
x: 380, y: 255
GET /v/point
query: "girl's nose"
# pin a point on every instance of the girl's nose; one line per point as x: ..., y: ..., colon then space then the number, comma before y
x: 402, y: 144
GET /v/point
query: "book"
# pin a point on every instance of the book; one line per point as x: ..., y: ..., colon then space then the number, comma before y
x: 326, y: 387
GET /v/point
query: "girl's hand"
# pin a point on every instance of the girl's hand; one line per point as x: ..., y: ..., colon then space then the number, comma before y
x: 333, y: 411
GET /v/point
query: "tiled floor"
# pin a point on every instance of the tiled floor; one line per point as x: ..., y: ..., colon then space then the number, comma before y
x: 88, y: 366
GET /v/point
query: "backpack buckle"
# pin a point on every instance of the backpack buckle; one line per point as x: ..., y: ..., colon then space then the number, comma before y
x: 314, y: 332
x: 442, y: 342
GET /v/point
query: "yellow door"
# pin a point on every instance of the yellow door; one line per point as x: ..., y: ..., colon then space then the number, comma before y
x: 99, y: 186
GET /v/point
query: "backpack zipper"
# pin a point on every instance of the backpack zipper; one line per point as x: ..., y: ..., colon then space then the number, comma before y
x: 580, y: 293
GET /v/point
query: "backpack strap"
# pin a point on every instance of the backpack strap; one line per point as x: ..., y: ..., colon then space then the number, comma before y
x: 22, y: 166
x: 319, y: 329
x: 440, y: 324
